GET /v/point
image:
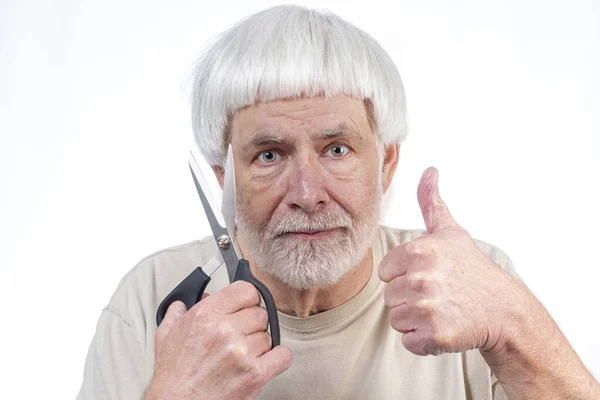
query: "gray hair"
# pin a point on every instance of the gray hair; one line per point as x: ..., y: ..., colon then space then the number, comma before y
x: 291, y: 52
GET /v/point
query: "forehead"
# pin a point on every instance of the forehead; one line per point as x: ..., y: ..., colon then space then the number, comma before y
x: 293, y: 115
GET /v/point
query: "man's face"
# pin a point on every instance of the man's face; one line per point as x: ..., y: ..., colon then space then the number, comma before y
x: 308, y: 185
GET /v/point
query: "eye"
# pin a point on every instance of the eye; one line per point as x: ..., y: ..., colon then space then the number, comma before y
x: 337, y: 151
x: 268, y: 157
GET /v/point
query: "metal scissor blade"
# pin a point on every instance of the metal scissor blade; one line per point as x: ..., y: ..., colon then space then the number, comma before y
x: 214, y: 217
x: 228, y: 206
x: 210, y: 267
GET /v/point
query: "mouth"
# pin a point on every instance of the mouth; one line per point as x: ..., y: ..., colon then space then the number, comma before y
x: 313, y: 234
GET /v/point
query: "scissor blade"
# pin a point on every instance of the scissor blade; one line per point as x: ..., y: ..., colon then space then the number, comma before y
x: 228, y: 206
x: 212, y: 214
x: 210, y: 267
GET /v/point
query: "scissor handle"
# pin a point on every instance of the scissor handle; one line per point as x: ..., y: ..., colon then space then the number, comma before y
x: 189, y: 291
x: 243, y: 273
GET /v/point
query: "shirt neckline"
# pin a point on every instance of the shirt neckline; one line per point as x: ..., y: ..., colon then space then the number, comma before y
x: 317, y: 323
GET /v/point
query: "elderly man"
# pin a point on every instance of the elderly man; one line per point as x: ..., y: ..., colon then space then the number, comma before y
x: 314, y: 111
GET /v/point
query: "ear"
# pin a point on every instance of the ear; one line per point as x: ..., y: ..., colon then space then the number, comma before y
x: 219, y: 173
x: 390, y: 162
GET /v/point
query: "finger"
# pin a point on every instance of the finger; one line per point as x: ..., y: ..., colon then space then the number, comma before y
x: 396, y: 292
x: 395, y: 263
x: 233, y: 298
x: 250, y: 320
x: 258, y: 343
x: 401, y: 319
x: 275, y: 362
x: 174, y: 312
x: 415, y: 342
x: 435, y: 213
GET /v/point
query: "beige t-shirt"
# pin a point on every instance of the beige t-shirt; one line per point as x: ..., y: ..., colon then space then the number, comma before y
x: 350, y: 352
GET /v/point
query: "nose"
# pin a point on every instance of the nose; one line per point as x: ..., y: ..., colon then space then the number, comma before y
x: 306, y: 188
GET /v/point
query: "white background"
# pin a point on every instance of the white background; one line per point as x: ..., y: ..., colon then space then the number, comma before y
x: 503, y: 98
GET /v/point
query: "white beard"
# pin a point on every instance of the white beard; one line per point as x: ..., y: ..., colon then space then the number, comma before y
x: 317, y: 263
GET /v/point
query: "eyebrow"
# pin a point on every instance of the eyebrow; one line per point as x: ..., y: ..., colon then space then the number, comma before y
x: 341, y: 130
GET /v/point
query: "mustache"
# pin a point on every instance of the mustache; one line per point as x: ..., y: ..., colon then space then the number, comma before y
x: 301, y: 221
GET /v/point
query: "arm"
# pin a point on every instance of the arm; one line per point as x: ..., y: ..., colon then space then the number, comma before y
x: 446, y: 295
x: 114, y: 367
x: 532, y: 359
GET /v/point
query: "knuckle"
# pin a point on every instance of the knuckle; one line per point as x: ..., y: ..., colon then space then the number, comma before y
x: 198, y: 320
x: 238, y: 351
x: 223, y: 331
x: 200, y: 312
x: 215, y: 332
x: 422, y: 247
x: 427, y: 310
x: 413, y: 248
x: 421, y: 282
x: 417, y: 248
x: 243, y: 287
x: 246, y: 289
x: 427, y: 306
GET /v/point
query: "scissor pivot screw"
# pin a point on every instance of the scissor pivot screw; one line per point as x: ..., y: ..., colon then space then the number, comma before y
x: 223, y: 242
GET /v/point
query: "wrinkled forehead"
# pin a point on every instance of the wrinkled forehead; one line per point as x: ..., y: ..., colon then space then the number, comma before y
x: 318, y: 117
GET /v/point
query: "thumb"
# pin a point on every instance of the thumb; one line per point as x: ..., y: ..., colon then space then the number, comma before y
x: 175, y: 311
x: 435, y: 213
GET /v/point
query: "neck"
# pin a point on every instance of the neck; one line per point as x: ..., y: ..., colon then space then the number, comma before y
x: 303, y: 303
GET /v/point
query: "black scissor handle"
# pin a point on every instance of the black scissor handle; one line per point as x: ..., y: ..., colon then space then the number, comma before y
x: 189, y: 291
x: 243, y: 273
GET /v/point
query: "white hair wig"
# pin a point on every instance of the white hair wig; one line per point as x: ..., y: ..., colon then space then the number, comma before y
x: 291, y: 52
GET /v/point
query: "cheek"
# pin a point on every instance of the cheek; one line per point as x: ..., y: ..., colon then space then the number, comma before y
x: 354, y: 187
x: 258, y: 198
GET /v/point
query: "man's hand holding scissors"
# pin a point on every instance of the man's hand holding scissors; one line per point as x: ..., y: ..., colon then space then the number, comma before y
x: 217, y: 348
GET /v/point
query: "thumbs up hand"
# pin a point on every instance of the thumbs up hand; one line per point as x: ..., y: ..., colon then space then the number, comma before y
x: 444, y: 293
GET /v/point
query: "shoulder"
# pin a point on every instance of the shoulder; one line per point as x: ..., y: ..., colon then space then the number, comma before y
x: 142, y: 289
x: 392, y: 237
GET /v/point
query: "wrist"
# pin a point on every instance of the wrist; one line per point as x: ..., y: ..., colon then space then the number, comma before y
x: 532, y: 359
x: 511, y: 318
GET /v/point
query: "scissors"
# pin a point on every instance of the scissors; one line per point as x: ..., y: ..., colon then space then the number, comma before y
x: 190, y: 290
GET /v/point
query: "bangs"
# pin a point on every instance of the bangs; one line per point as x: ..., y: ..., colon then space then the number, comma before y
x: 291, y: 52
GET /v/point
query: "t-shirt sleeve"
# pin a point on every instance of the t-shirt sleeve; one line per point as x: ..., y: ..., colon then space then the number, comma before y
x: 498, y: 392
x: 115, y: 361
